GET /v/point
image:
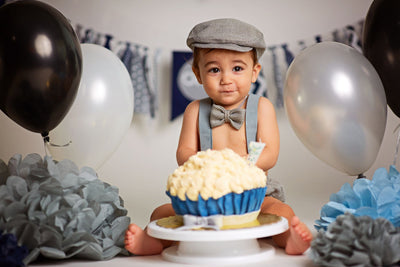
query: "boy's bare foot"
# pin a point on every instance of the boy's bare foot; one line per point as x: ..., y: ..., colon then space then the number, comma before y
x: 138, y: 242
x: 300, y: 237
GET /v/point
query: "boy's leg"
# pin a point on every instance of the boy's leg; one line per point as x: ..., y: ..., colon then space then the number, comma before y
x: 162, y: 211
x: 138, y: 242
x: 300, y: 237
x: 297, y: 239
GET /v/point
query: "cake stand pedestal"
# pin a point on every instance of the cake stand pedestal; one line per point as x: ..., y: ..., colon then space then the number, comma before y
x: 218, y: 247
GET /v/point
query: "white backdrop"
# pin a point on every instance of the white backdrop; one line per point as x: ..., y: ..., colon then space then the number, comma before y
x: 146, y: 156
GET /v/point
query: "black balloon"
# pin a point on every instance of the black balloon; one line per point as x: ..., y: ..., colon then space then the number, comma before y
x: 40, y: 65
x: 381, y: 46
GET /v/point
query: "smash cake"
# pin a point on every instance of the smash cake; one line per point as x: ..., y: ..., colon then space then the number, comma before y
x: 217, y: 186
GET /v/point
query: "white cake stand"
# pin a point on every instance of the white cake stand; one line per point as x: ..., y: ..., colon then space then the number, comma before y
x: 218, y: 247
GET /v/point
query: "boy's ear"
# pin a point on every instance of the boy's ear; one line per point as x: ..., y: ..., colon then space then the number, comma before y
x: 256, y: 71
x: 197, y: 74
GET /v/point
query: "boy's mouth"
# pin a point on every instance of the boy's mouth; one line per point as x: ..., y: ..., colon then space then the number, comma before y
x: 227, y: 91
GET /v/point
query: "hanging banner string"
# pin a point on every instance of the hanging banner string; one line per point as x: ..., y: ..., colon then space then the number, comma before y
x: 142, y: 62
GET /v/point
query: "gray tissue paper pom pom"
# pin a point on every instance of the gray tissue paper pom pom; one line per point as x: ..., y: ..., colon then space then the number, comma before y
x: 357, y: 241
x: 59, y: 211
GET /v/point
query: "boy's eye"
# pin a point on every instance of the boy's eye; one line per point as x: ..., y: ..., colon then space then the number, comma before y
x: 237, y: 68
x: 214, y: 70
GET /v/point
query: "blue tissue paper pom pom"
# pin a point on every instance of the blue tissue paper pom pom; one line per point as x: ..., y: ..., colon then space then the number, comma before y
x: 11, y: 254
x: 379, y: 197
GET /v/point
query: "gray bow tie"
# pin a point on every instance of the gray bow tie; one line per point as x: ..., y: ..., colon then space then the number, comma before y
x: 219, y: 115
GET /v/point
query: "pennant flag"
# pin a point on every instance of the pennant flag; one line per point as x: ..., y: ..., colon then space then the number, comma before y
x: 138, y: 60
x: 185, y: 87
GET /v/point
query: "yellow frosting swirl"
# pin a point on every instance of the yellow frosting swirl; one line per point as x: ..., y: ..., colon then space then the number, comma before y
x: 214, y: 173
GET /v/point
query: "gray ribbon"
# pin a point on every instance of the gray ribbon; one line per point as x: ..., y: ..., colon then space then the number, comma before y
x: 194, y: 222
x: 219, y: 115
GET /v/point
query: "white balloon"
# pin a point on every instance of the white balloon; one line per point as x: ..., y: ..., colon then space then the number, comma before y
x: 101, y: 113
x: 336, y: 105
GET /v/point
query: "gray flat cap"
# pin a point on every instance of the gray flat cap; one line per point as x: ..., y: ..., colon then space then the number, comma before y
x: 231, y: 34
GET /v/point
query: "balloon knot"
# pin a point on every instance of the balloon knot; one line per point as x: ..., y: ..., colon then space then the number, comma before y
x: 46, y: 137
x: 360, y: 176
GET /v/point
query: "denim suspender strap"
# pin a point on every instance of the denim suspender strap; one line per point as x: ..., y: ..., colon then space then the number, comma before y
x: 251, y: 118
x: 204, y: 124
x: 204, y: 121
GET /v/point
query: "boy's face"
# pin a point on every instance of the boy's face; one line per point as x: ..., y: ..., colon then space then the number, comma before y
x: 226, y: 75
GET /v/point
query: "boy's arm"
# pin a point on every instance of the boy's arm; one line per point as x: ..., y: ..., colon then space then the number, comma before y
x: 267, y: 133
x: 189, y: 140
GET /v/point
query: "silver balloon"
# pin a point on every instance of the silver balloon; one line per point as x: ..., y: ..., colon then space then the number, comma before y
x: 336, y: 104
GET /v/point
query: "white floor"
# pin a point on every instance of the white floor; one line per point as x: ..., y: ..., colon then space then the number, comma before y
x: 279, y: 258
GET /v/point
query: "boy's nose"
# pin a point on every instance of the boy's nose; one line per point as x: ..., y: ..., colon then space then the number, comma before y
x: 225, y: 78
